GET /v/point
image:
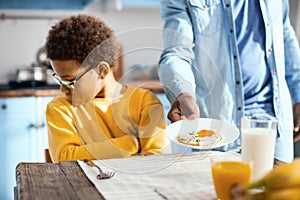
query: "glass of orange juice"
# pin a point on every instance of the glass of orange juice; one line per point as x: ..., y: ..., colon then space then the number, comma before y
x: 226, y: 173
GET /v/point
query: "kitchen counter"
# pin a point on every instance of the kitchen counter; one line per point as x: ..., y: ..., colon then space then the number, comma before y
x: 7, y: 91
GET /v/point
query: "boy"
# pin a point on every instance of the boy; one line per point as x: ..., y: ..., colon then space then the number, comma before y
x: 97, y: 117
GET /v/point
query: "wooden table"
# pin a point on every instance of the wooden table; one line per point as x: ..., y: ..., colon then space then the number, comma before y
x: 67, y: 180
x: 64, y: 180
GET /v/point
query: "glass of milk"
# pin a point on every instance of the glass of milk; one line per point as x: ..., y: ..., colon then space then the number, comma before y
x: 258, y: 143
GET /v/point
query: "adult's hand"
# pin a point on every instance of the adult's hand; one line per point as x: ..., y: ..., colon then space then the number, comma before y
x: 296, y: 122
x: 185, y: 107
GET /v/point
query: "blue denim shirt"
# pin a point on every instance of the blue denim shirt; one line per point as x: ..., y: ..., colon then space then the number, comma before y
x: 200, y: 57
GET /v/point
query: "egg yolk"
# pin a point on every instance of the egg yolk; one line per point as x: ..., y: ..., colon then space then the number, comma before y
x: 205, y: 133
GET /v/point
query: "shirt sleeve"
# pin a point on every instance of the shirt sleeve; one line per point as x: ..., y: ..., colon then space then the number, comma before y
x: 292, y: 55
x: 175, y: 64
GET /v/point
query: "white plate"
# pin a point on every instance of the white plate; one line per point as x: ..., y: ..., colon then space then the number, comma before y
x: 229, y: 132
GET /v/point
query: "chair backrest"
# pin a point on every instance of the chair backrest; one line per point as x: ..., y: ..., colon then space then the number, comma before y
x: 47, y: 156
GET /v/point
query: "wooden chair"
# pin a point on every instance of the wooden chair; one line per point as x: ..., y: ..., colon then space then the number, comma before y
x: 47, y: 156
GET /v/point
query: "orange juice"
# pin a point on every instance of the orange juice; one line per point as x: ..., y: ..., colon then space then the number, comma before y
x: 228, y: 173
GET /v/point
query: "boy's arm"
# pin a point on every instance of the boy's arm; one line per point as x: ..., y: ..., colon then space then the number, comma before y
x: 152, y: 125
x: 66, y: 144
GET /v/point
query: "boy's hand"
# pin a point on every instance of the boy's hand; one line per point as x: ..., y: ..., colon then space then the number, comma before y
x: 185, y: 107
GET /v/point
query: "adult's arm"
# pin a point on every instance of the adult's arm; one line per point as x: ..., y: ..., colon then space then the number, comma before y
x: 175, y: 65
x: 292, y: 63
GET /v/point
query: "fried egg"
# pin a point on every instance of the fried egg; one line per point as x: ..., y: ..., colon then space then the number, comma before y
x: 203, y: 137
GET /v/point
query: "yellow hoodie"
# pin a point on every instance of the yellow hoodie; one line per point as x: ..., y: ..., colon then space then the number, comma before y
x: 132, y: 123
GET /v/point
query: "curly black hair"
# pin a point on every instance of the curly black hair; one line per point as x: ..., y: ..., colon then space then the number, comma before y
x: 83, y: 38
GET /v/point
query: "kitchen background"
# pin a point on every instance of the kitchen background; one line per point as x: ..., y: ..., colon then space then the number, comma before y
x: 138, y: 28
x: 23, y: 30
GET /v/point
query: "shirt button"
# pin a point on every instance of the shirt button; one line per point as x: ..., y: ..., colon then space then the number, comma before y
x: 227, y: 5
x: 268, y: 24
x: 205, y: 6
x: 231, y: 30
x: 237, y: 82
x: 239, y: 108
x: 276, y: 98
x: 235, y: 57
x: 274, y: 73
x: 270, y: 49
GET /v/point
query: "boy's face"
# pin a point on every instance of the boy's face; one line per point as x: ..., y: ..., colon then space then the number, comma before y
x: 67, y: 71
x: 87, y: 87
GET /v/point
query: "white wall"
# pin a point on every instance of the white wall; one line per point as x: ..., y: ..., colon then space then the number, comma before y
x: 137, y: 29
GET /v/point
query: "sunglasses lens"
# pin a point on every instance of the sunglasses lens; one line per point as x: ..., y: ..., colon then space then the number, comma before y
x: 68, y: 84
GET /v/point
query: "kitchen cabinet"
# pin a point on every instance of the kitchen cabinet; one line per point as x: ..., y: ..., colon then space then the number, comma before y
x: 23, y: 137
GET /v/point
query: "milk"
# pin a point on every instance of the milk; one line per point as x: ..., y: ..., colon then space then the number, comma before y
x: 258, y: 144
